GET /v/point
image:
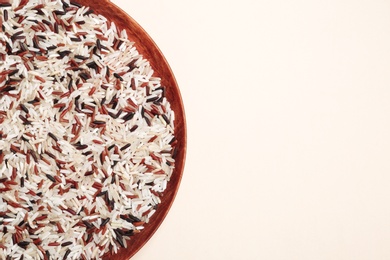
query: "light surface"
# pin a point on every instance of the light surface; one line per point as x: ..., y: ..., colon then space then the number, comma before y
x: 288, y: 112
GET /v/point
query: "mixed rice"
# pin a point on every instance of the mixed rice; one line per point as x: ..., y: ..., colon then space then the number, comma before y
x: 86, y: 133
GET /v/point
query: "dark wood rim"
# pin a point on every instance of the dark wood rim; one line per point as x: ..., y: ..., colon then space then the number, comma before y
x: 146, y: 46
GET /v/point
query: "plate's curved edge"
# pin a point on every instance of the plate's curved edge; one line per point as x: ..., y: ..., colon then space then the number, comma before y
x: 179, y: 128
x: 154, y: 55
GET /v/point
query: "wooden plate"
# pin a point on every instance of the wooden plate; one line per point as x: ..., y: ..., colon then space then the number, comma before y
x: 151, y: 52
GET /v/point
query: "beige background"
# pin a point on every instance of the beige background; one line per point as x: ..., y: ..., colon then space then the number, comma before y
x: 288, y: 109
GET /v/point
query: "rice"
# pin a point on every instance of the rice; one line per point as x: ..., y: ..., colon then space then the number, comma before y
x: 87, y: 140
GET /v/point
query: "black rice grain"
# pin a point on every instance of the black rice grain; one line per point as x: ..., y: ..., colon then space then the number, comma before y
x: 125, y: 147
x: 76, y: 4
x: 104, y: 222
x: 128, y: 116
x: 53, y: 136
x: 66, y: 243
x: 66, y: 254
x: 24, y: 108
x: 23, y: 244
x: 116, y: 75
x: 50, y: 177
x: 5, y: 4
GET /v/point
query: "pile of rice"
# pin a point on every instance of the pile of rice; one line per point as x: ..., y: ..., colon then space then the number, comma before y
x: 86, y: 134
